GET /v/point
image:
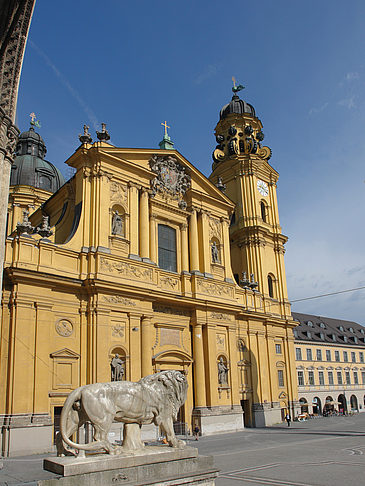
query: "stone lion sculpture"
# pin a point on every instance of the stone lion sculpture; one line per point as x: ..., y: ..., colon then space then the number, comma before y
x: 156, y: 398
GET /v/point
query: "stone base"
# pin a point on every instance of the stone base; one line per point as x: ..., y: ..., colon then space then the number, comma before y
x: 150, y: 466
x: 216, y: 420
x: 23, y: 434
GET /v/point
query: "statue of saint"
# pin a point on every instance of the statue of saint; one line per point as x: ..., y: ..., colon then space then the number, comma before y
x: 222, y: 372
x: 117, y: 224
x: 117, y: 368
x: 215, y: 253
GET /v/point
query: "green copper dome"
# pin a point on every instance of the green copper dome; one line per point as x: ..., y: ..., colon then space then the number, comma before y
x: 30, y: 168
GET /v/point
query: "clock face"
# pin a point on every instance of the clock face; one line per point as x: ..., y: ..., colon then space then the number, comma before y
x: 262, y: 188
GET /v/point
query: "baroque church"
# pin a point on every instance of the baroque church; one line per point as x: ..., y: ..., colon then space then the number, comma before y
x: 140, y: 255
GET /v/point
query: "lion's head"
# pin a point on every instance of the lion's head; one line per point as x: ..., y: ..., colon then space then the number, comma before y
x: 174, y: 386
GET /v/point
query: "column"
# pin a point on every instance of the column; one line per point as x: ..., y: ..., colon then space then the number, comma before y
x: 184, y: 249
x: 133, y: 224
x: 204, y: 217
x: 135, y: 347
x: 199, y: 369
x: 212, y: 369
x: 226, y: 251
x: 193, y: 243
x: 153, y: 239
x: 144, y: 227
x: 146, y: 345
x: 233, y: 370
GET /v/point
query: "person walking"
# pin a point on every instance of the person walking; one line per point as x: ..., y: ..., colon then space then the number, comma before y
x: 196, y: 432
x: 288, y: 419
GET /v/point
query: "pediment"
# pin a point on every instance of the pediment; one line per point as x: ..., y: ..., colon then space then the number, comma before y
x: 65, y: 353
x: 283, y: 395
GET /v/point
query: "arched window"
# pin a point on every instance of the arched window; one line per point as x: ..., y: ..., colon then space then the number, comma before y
x: 270, y: 284
x: 167, y: 248
x: 263, y: 212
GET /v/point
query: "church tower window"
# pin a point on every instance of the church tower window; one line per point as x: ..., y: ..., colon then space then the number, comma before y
x: 167, y: 248
x: 270, y: 284
x: 263, y: 212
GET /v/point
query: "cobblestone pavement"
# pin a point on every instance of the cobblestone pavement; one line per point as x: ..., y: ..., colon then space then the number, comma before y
x: 319, y: 452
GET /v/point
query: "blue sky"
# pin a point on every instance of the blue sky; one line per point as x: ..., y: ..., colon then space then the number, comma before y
x: 135, y: 64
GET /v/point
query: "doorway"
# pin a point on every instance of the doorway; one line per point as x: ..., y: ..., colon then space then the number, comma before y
x: 247, y: 419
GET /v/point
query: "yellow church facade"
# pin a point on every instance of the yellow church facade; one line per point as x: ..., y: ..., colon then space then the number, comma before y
x: 140, y: 255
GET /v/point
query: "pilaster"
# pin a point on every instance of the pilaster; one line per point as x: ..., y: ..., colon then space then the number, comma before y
x: 134, y: 220
x: 199, y: 366
x: 144, y: 235
x: 193, y: 242
x: 135, y: 346
x: 184, y: 249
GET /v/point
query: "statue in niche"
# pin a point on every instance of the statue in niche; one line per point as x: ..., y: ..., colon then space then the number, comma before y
x: 117, y: 224
x: 215, y: 253
x: 117, y: 368
x: 222, y: 372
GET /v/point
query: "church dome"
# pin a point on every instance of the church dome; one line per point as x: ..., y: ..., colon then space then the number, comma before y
x: 30, y: 168
x: 237, y: 106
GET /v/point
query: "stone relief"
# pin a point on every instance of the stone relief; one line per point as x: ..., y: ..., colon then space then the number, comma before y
x: 169, y: 282
x: 215, y: 228
x: 171, y: 310
x: 154, y: 399
x: 221, y: 340
x: 117, y: 299
x: 118, y: 193
x: 171, y: 177
x: 118, y: 330
x: 214, y: 289
x: 126, y: 269
x: 220, y: 315
x: 64, y: 327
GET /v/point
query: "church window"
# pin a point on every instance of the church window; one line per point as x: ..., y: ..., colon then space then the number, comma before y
x: 263, y: 212
x: 281, y: 378
x: 278, y: 348
x: 311, y: 377
x: 167, y: 248
x: 270, y: 284
x: 348, y: 380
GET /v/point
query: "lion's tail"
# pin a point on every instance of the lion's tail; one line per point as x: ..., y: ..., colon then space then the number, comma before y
x: 70, y: 401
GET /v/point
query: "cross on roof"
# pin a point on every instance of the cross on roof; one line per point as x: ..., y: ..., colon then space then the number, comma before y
x: 166, y: 126
x: 33, y: 116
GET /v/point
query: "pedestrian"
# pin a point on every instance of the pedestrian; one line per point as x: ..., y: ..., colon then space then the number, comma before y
x: 196, y: 432
x: 288, y: 419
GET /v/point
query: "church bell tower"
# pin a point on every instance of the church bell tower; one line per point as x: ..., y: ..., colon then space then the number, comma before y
x: 241, y: 169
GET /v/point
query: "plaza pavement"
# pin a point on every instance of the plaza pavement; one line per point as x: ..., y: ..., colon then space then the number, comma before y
x: 319, y: 452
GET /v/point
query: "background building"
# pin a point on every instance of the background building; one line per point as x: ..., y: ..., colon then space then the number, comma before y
x: 134, y: 256
x: 330, y: 363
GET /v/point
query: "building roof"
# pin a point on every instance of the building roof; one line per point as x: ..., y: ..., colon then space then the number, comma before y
x: 30, y: 168
x: 237, y: 106
x: 328, y: 330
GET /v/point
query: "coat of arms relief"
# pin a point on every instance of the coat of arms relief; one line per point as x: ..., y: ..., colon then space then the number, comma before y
x: 171, y: 179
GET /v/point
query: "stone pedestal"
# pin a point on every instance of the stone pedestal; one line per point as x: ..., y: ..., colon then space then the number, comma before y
x: 216, y: 420
x: 149, y: 466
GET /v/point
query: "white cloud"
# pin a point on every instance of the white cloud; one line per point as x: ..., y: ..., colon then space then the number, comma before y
x: 209, y: 71
x: 314, y: 110
x: 347, y: 102
x: 352, y: 75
